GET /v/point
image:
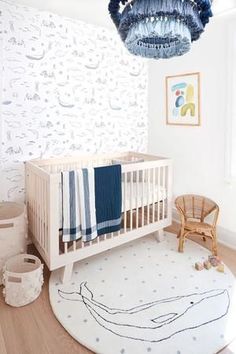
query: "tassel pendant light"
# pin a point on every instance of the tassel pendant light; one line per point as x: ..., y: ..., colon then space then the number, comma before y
x: 160, y: 28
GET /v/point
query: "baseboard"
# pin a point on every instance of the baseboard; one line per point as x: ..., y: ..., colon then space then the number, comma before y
x: 225, y: 237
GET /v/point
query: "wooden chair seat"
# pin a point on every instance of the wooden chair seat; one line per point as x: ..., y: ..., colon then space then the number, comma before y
x: 193, y: 209
x: 197, y: 226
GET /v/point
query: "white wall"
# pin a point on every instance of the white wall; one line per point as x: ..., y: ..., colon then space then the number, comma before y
x: 198, y: 152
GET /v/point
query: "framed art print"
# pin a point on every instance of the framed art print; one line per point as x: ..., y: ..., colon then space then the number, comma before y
x: 183, y: 99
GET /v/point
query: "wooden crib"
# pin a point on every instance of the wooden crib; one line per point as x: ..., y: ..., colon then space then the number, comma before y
x: 146, y: 204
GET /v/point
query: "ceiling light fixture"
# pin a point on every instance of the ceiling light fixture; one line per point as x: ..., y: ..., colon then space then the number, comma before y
x: 160, y: 28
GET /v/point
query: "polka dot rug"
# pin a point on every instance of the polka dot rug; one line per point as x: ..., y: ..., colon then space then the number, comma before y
x: 145, y: 297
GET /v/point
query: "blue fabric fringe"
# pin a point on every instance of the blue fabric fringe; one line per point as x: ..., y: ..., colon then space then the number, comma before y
x: 176, y: 9
x: 158, y: 39
x: 175, y: 22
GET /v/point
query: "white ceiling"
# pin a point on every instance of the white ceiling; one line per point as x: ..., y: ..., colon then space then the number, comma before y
x: 92, y: 11
x: 96, y: 11
x: 223, y: 6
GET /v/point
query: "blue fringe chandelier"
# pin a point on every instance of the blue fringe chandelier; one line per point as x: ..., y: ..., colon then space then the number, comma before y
x: 160, y: 28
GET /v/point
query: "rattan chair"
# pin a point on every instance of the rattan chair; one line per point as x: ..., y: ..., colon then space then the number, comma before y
x: 193, y: 210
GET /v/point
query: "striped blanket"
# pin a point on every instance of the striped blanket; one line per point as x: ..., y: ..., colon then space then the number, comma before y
x: 91, y: 202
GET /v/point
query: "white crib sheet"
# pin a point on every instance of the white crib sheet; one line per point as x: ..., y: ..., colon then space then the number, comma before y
x: 148, y: 197
x: 132, y: 203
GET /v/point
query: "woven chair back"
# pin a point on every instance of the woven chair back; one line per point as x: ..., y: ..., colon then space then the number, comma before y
x: 195, y: 206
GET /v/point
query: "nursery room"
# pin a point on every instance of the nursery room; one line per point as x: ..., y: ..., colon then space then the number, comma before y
x: 118, y: 177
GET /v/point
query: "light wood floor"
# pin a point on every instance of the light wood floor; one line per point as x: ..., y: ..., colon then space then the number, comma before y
x: 33, y: 329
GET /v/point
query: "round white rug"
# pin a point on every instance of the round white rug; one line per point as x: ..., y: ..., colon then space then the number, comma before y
x: 145, y: 297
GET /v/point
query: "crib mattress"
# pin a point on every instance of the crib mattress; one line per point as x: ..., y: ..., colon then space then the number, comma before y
x: 140, y: 193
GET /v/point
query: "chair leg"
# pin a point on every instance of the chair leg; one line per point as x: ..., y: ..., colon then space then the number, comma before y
x: 214, y: 243
x: 181, y: 231
x: 181, y: 241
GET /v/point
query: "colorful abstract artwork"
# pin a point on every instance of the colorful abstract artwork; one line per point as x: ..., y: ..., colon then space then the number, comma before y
x: 183, y: 99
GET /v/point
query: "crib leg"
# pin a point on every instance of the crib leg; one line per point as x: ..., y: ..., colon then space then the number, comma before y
x: 67, y: 273
x: 159, y: 235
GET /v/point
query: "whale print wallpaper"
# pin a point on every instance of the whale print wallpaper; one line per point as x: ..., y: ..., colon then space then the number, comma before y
x: 67, y: 87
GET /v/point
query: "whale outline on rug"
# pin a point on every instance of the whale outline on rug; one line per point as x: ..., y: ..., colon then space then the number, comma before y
x: 156, y: 323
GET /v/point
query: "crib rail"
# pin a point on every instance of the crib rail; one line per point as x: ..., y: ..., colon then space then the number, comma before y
x: 146, y: 196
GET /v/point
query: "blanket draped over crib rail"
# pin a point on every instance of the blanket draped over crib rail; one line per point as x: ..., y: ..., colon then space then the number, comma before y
x: 91, y: 202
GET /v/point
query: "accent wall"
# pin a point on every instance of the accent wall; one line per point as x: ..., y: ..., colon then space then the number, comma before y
x: 67, y: 87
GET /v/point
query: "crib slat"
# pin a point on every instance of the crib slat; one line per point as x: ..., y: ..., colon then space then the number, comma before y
x: 153, y: 193
x: 137, y: 197
x: 124, y: 201
x: 45, y: 214
x: 40, y: 211
x: 158, y: 193
x: 143, y: 176
x: 31, y: 203
x: 163, y: 189
x: 33, y: 206
x: 148, y: 196
x: 37, y: 210
x: 131, y: 201
x: 47, y: 211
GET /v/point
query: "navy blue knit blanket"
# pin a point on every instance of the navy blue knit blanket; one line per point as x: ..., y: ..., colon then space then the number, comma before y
x: 108, y: 198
